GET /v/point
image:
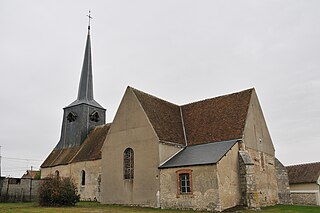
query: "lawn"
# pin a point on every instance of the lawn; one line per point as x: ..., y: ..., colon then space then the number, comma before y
x: 96, y: 207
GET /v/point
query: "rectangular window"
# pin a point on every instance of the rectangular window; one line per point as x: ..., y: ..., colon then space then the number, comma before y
x: 184, y: 183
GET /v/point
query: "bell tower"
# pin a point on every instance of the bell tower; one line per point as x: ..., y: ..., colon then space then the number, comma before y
x: 83, y: 114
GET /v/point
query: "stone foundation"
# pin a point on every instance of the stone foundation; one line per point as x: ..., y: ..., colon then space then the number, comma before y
x: 304, y: 198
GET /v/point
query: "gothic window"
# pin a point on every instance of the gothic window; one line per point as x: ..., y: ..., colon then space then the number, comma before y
x: 184, y: 181
x: 128, y: 164
x: 71, y: 117
x: 83, y: 178
x: 94, y: 116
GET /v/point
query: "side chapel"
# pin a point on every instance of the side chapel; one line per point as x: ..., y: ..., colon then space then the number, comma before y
x: 212, y: 154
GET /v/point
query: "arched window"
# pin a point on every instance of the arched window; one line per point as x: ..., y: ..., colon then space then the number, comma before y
x: 128, y: 164
x: 56, y: 174
x: 83, y: 178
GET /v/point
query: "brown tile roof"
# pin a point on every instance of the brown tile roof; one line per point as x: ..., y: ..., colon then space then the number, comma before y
x: 89, y: 149
x: 217, y: 119
x: 211, y: 120
x: 164, y: 117
x: 30, y: 174
x: 60, y: 157
x: 304, y: 173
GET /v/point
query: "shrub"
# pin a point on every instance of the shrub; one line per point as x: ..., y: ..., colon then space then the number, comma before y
x: 38, y: 175
x: 57, y: 191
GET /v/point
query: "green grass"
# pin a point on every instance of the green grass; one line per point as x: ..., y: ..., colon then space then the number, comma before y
x: 97, y: 208
x: 292, y: 209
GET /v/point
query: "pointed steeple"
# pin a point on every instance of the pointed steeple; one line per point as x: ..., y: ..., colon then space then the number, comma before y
x: 84, y: 114
x: 85, y: 91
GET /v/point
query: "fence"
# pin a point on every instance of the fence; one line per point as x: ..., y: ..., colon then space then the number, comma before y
x: 18, y: 189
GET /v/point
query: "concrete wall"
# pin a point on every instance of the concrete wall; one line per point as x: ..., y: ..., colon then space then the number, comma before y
x: 305, y: 193
x: 131, y: 129
x: 229, y: 179
x: 205, y: 195
x: 256, y: 134
x: 166, y: 151
x: 91, y: 190
x: 18, y: 190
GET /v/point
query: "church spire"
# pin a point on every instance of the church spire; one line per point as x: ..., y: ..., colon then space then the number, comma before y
x: 85, y: 91
x: 83, y: 114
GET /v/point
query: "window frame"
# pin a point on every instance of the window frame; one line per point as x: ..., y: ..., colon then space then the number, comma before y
x: 179, y: 173
x: 128, y: 164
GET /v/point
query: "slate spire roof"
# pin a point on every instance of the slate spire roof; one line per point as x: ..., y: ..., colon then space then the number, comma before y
x: 85, y: 91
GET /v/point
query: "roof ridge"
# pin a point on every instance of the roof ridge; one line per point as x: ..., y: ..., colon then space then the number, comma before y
x: 103, y: 125
x: 208, y: 143
x: 152, y: 96
x: 220, y: 96
x: 304, y: 164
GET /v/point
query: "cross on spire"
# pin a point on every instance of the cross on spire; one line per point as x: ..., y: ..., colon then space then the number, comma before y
x: 89, y: 17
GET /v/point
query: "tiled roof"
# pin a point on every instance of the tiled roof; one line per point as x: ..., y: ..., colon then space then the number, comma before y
x: 212, y: 120
x: 163, y: 115
x: 304, y: 173
x: 90, y: 149
x: 30, y: 174
x: 217, y: 119
x: 60, y: 157
x: 201, y: 154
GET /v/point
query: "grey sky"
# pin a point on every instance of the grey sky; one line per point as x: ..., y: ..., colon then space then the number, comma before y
x: 181, y: 51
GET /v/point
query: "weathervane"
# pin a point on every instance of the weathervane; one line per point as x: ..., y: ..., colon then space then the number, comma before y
x: 90, y: 17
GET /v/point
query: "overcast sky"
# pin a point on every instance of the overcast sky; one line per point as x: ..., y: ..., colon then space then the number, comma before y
x: 178, y: 50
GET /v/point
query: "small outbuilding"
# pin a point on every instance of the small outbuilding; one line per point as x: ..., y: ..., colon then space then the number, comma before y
x: 304, y: 180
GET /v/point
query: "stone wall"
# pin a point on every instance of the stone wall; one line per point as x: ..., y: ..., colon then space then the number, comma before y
x: 283, y: 183
x: 91, y: 190
x: 265, y: 177
x: 18, y: 190
x: 249, y: 194
x: 259, y: 185
x: 205, y: 193
x: 304, y: 198
x: 305, y: 193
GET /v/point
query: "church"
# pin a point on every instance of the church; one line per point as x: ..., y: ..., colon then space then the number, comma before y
x: 212, y: 154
